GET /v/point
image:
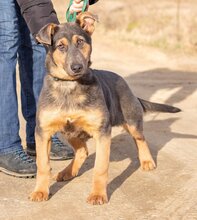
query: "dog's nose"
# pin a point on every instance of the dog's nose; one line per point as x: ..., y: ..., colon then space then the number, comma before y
x: 76, y: 68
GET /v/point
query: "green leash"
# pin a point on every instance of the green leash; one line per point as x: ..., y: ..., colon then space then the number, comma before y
x: 72, y: 17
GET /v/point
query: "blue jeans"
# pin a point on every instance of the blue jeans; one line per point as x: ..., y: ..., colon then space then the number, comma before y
x: 16, y: 44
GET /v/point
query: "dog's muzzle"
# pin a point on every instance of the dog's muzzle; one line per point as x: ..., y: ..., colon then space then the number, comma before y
x: 76, y: 69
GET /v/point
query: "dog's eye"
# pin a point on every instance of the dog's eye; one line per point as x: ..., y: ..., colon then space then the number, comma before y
x: 62, y: 47
x: 80, y: 42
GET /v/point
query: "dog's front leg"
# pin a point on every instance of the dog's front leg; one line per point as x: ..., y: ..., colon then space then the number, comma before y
x: 43, y: 145
x: 98, y: 196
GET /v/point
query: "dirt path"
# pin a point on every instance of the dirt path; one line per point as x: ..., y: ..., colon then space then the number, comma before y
x: 170, y: 191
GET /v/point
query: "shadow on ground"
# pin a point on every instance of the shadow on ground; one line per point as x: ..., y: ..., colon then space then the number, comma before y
x: 145, y: 84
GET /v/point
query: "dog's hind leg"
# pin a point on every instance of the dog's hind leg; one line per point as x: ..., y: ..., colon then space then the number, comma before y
x: 81, y: 153
x: 133, y: 118
x: 146, y: 161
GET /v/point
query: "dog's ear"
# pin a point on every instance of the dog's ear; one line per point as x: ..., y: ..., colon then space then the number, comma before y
x: 45, y: 34
x: 86, y: 21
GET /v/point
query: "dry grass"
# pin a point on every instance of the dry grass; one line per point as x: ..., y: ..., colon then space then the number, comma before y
x: 165, y: 24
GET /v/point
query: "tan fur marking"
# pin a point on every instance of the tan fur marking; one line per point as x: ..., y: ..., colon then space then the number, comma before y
x: 63, y: 41
x: 59, y: 58
x: 74, y: 39
x: 52, y: 120
x: 86, y: 49
x: 146, y: 160
x: 60, y: 73
x: 41, y: 191
x: 81, y: 153
x: 98, y: 195
x: 55, y: 120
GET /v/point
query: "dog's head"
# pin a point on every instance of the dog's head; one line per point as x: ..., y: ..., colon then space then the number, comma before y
x: 69, y: 47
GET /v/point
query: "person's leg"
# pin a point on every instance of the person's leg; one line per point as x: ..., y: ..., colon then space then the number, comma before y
x: 31, y: 58
x: 9, y: 123
x: 32, y: 70
x: 13, y: 160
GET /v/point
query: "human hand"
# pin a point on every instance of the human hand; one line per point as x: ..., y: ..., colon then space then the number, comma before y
x: 76, y: 6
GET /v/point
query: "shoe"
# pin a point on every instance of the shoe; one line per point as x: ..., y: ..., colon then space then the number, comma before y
x: 18, y: 164
x: 59, y: 150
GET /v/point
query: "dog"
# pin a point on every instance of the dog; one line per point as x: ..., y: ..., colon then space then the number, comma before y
x: 83, y: 103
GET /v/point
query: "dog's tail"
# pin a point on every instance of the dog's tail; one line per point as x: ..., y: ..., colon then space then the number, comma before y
x: 156, y: 107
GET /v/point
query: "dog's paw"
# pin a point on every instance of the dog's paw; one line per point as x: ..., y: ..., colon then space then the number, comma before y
x: 64, y: 176
x: 39, y: 196
x: 95, y: 199
x: 147, y: 165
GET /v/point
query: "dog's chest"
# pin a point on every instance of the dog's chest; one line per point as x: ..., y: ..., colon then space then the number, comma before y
x: 76, y: 128
x: 81, y: 123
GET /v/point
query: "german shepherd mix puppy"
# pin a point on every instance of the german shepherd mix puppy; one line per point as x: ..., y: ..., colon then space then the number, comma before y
x: 83, y: 103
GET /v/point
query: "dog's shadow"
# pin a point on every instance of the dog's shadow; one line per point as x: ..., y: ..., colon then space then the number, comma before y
x: 123, y: 146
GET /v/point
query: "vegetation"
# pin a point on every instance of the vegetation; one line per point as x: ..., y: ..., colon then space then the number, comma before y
x: 165, y: 24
